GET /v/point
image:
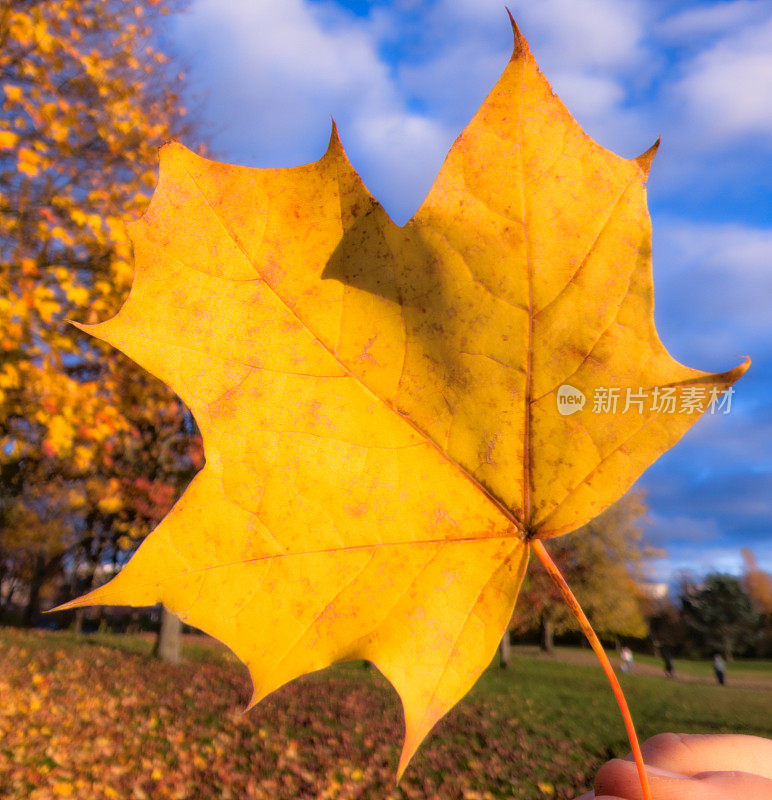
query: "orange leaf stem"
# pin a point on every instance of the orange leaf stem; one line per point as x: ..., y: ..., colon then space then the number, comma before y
x: 576, y: 610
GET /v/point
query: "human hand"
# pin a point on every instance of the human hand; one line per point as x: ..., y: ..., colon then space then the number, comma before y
x: 692, y: 767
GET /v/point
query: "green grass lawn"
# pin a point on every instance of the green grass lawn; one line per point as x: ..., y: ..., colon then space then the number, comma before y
x: 575, y: 700
x: 94, y: 717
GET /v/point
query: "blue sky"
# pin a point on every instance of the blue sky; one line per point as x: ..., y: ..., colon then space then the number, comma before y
x: 402, y: 78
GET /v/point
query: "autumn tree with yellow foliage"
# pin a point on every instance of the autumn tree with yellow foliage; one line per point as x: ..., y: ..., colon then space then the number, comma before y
x: 86, y: 98
x: 757, y: 583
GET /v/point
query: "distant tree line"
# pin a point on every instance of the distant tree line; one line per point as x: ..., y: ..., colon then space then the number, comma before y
x: 717, y: 613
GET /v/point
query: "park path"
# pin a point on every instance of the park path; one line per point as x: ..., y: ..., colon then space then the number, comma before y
x: 736, y: 675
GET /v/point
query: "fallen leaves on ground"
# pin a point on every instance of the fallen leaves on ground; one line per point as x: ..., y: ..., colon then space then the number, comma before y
x: 90, y: 722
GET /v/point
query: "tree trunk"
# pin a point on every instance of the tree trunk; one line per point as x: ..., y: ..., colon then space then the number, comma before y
x: 168, y: 642
x: 133, y: 624
x: 32, y: 610
x: 547, y: 635
x: 42, y: 572
x: 5, y: 600
x: 76, y: 626
x: 505, y: 650
x: 727, y: 648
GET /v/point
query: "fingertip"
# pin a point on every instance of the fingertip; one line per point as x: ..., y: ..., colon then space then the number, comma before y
x: 658, y: 744
x: 690, y: 754
x: 611, y: 776
x: 619, y: 778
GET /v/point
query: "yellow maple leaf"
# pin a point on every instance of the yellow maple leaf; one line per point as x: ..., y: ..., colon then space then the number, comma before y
x: 379, y: 403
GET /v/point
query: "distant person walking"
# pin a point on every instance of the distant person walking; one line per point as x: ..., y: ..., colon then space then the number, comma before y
x: 668, y: 662
x: 626, y: 656
x: 719, y: 667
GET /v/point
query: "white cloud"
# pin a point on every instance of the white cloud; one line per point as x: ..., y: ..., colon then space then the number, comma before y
x: 406, y: 151
x: 589, y: 52
x: 714, y: 283
x: 702, y: 561
x: 592, y: 33
x: 732, y: 250
x: 454, y: 82
x: 591, y: 96
x: 695, y: 545
x: 276, y: 72
x: 660, y: 529
x: 727, y: 88
x: 269, y: 68
x: 736, y: 441
x: 715, y: 19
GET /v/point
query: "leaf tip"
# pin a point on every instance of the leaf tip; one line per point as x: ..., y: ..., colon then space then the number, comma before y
x: 335, y: 145
x: 170, y: 147
x: 99, y: 331
x: 85, y: 327
x: 254, y: 699
x: 644, y: 160
x: 519, y: 45
x: 122, y: 590
x: 173, y: 157
x: 742, y: 367
x: 70, y: 604
x: 404, y: 760
x: 413, y: 739
x: 79, y: 602
x: 733, y: 375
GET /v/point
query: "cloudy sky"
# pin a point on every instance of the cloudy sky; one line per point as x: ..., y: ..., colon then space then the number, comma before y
x: 402, y: 78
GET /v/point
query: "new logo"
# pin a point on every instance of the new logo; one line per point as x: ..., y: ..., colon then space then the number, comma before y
x: 570, y: 400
